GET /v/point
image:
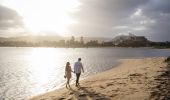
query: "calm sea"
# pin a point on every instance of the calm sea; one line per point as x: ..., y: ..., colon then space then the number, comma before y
x: 26, y: 72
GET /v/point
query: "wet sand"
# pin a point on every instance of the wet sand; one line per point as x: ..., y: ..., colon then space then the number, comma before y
x: 133, y: 79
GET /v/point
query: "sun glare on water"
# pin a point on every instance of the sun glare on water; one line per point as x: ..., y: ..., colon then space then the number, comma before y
x: 43, y: 63
x: 45, y: 15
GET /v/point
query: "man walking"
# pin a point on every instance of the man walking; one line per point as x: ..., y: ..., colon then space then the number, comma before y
x: 77, y: 70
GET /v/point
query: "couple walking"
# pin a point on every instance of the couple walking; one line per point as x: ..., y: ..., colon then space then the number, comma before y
x: 77, y: 70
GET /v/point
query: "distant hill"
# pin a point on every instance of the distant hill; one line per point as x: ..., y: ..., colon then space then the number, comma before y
x: 130, y: 40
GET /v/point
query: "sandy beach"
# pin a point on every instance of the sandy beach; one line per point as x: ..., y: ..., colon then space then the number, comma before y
x: 133, y: 79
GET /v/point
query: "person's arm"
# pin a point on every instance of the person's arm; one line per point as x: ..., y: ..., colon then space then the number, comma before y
x: 74, y: 67
x: 72, y: 70
x: 82, y: 67
x: 65, y: 72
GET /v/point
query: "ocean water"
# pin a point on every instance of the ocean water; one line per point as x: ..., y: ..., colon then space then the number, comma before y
x: 27, y: 71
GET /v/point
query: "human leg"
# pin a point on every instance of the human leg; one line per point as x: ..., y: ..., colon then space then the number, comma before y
x: 77, y: 78
x: 68, y: 81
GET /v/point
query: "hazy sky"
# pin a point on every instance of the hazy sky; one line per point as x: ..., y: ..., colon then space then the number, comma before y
x: 101, y: 18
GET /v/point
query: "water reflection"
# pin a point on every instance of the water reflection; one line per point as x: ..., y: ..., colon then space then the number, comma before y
x: 29, y: 71
x: 43, y: 66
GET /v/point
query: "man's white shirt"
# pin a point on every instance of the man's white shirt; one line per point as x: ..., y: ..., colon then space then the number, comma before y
x: 77, y: 67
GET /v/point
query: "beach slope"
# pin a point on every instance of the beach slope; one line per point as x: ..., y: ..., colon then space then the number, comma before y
x: 133, y: 79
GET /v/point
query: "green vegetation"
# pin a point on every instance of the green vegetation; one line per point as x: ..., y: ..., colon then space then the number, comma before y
x: 73, y: 43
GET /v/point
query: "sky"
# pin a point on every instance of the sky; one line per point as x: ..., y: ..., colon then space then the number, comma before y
x: 91, y: 18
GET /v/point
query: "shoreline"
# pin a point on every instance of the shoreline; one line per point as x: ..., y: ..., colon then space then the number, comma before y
x: 132, y: 79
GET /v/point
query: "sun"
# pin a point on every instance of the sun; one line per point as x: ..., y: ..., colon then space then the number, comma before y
x: 45, y: 15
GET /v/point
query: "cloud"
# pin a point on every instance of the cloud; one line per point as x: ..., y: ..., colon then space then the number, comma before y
x: 120, y: 27
x: 99, y: 16
x: 9, y: 19
x: 107, y: 18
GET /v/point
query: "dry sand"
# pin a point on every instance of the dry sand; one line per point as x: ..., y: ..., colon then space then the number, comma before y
x: 133, y: 79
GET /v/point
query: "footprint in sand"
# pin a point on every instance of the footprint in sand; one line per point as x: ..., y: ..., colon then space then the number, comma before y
x: 121, y: 83
x: 82, y: 95
x: 90, y: 95
x: 109, y: 84
x: 100, y: 98
x: 96, y: 94
x: 43, y: 99
x: 60, y: 98
x: 55, y: 98
x: 102, y: 87
x: 71, y: 93
x: 113, y: 95
x: 135, y: 75
x: 116, y: 90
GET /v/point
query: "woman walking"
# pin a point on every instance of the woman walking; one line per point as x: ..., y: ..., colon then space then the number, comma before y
x: 67, y: 75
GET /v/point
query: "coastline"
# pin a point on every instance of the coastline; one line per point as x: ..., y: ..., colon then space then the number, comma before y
x: 132, y: 79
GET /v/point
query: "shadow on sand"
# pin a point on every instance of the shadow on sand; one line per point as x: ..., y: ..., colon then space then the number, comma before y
x: 162, y: 90
x: 82, y: 93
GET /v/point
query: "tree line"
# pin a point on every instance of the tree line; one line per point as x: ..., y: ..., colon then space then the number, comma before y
x: 73, y: 43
